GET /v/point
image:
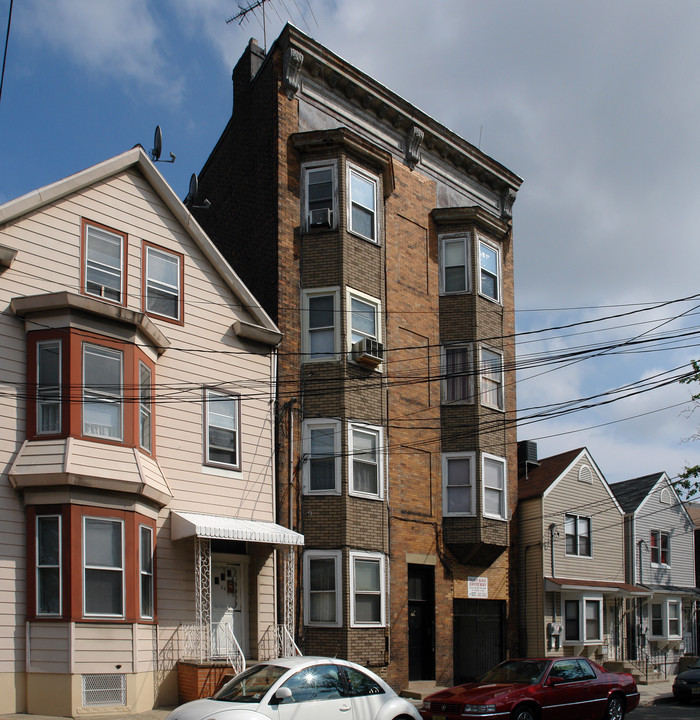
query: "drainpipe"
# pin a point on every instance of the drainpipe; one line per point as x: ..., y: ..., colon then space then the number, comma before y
x: 640, y: 545
x: 552, y: 534
x: 290, y: 470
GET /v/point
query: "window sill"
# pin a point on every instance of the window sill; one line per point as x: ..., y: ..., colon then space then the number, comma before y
x: 365, y: 496
x: 222, y: 471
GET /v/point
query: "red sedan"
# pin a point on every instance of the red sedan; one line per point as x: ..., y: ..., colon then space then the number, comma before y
x: 570, y: 688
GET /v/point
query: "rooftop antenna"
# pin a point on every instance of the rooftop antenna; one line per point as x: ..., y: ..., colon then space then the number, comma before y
x: 158, y: 147
x: 243, y: 11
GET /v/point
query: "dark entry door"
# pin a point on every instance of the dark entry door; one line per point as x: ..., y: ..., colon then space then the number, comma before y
x: 421, y: 622
x: 479, y: 637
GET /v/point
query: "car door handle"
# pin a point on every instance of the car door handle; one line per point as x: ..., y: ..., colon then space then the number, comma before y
x: 345, y: 708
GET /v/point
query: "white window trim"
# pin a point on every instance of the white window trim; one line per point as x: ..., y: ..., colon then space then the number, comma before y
x: 305, y: 329
x: 307, y: 426
x: 356, y: 555
x: 337, y: 556
x: 350, y: 169
x: 469, y: 400
x: 231, y: 396
x: 143, y: 573
x: 582, y: 600
x: 380, y: 460
x: 122, y: 569
x: 466, y: 238
x: 39, y: 401
x: 60, y: 565
x: 504, y: 496
x: 161, y: 251
x: 145, y: 408
x: 305, y: 212
x: 446, y: 457
x: 122, y: 263
x: 350, y: 293
x: 482, y: 369
x: 499, y: 271
x: 668, y: 550
x: 579, y: 517
x: 665, y: 618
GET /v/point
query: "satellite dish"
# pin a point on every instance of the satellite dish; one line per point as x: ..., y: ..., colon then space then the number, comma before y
x: 193, y: 194
x: 157, y: 144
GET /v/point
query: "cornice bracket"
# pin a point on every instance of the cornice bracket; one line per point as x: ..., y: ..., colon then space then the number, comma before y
x: 414, y: 138
x: 292, y: 63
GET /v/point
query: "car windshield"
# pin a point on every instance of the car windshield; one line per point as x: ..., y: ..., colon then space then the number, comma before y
x: 526, y: 672
x: 251, y: 685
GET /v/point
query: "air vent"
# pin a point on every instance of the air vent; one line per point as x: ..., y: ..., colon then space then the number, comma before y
x: 320, y: 218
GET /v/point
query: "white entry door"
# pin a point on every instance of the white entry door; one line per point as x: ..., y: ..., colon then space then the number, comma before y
x: 229, y: 606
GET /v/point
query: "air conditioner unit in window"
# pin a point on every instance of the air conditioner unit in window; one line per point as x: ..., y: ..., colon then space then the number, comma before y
x: 368, y: 352
x: 320, y: 218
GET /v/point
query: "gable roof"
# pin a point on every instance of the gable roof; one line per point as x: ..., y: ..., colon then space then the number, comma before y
x: 540, y: 478
x: 693, y: 509
x: 631, y: 493
x: 263, y: 329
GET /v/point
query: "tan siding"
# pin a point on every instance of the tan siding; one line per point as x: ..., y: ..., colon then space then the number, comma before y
x: 98, y: 648
x: 49, y: 647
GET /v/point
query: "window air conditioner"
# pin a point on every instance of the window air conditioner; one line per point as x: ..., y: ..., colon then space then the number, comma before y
x: 320, y: 218
x: 368, y: 352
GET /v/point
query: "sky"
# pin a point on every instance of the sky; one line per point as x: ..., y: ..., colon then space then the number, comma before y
x: 595, y: 104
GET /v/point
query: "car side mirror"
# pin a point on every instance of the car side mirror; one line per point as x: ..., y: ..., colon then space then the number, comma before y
x: 281, y: 694
x: 554, y: 680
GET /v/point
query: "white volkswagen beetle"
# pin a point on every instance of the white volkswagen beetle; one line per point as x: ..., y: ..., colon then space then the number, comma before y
x: 301, y: 688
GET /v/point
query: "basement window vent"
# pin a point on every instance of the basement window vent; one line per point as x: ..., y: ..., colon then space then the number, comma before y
x: 104, y: 689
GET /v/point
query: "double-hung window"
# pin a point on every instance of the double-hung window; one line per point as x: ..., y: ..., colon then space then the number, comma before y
x: 145, y: 411
x: 458, y: 484
x: 103, y: 567
x: 365, y: 461
x: 320, y: 195
x: 221, y: 429
x: 491, y: 378
x: 146, y: 571
x: 104, y: 252
x: 364, y: 322
x: 494, y: 483
x: 322, y: 456
x: 103, y: 384
x: 48, y: 565
x: 456, y: 373
x: 583, y: 619
x: 367, y: 604
x: 454, y: 271
x: 163, y: 281
x: 320, y: 326
x: 362, y: 203
x: 666, y: 618
x: 48, y: 387
x: 577, y: 531
x: 323, y: 588
x: 489, y: 272
x: 660, y: 548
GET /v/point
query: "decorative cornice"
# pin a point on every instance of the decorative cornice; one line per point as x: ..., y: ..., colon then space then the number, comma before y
x: 414, y: 138
x: 471, y: 215
x: 507, y: 200
x: 292, y: 63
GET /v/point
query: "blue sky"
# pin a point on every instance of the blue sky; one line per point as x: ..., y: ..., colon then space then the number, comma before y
x: 595, y: 104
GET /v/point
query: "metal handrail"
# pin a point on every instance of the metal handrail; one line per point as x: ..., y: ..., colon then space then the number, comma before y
x: 236, y: 658
x: 277, y: 641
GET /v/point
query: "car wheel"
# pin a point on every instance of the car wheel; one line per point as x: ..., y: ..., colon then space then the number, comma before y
x: 616, y: 708
x: 524, y: 712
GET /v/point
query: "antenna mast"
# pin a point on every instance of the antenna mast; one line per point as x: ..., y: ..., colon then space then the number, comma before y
x: 243, y: 12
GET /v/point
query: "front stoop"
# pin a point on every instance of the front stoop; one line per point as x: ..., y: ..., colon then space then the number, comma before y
x: 420, y: 689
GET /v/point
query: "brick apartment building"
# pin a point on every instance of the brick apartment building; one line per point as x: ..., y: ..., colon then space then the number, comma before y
x: 381, y: 244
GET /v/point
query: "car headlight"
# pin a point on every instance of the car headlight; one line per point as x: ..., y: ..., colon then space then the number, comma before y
x: 476, y: 709
x: 679, y: 681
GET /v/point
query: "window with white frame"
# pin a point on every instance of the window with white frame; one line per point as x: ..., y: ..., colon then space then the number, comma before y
x: 323, y: 588
x: 660, y: 548
x: 103, y: 374
x: 48, y: 387
x: 666, y: 618
x: 365, y: 460
x: 494, y: 484
x: 454, y: 269
x: 577, y: 531
x: 583, y: 619
x: 673, y: 609
x: 145, y: 432
x: 489, y: 271
x: 362, y: 203
x: 320, y: 326
x: 48, y: 565
x: 458, y: 473
x: 319, y: 202
x: 146, y: 571
x: 222, y: 438
x: 103, y: 567
x: 364, y: 317
x: 491, y: 378
x: 367, y: 589
x: 322, y: 456
x: 162, y: 280
x: 456, y: 373
x: 103, y: 272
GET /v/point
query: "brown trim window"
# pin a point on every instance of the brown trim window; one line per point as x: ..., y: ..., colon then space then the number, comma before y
x: 48, y: 565
x: 103, y: 567
x: 163, y: 280
x: 48, y: 387
x: 221, y: 431
x: 103, y: 262
x: 146, y: 571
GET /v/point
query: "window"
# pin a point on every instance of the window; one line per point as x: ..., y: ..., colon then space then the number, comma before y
x: 364, y: 320
x: 48, y: 565
x: 571, y: 620
x: 660, y: 548
x: 320, y: 196
x: 320, y: 331
x: 583, y: 619
x: 146, y: 571
x: 362, y: 204
x: 322, y: 456
x: 674, y: 619
x: 366, y: 589
x: 145, y: 432
x: 365, y: 461
x: 315, y: 684
x: 490, y: 272
x: 104, y: 252
x: 48, y: 387
x: 322, y: 588
x: 577, y: 530
x: 494, y: 481
x: 102, y: 392
x: 666, y: 618
x: 458, y: 484
x: 457, y: 374
x: 163, y: 283
x: 593, y: 613
x: 454, y: 276
x: 103, y: 567
x: 222, y: 441
x: 572, y: 670
x: 491, y: 379
x: 657, y: 623
x: 359, y: 684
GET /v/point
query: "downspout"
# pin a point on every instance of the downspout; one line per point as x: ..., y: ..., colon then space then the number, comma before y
x: 552, y: 530
x: 290, y: 468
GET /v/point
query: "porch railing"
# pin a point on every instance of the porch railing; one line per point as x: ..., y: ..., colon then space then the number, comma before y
x: 277, y: 641
x: 231, y: 648
x: 196, y: 646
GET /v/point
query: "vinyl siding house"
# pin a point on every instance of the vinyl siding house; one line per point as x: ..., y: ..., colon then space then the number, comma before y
x: 136, y: 449
x: 572, y: 588
x: 660, y: 556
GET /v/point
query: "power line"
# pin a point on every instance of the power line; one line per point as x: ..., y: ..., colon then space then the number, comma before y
x: 7, y: 41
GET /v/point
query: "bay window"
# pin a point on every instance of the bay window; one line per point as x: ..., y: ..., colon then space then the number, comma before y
x: 489, y: 272
x: 665, y: 618
x: 365, y: 461
x: 319, y: 200
x: 321, y: 446
x: 48, y: 387
x: 146, y: 571
x: 102, y: 392
x: 457, y: 375
x: 319, y: 324
x: 494, y: 482
x: 458, y: 484
x: 362, y: 203
x: 454, y: 266
x: 491, y: 378
x: 103, y: 567
x: 367, y: 606
x: 583, y: 619
x: 322, y: 588
x: 48, y: 565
